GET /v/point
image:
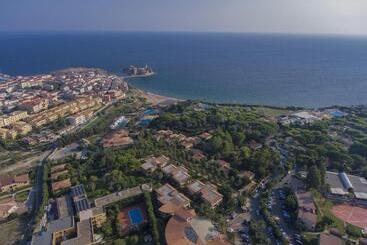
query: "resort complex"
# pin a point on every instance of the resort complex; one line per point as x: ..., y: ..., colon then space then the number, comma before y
x: 89, y: 160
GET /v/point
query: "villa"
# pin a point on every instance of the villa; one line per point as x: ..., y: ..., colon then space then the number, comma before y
x: 179, y: 174
x: 186, y: 228
x: 208, y: 192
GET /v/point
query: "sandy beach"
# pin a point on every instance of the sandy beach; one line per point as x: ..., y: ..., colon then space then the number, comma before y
x: 157, y: 99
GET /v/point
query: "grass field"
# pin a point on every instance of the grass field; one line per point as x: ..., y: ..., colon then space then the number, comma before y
x: 310, y: 238
x: 324, y: 209
x: 21, y: 196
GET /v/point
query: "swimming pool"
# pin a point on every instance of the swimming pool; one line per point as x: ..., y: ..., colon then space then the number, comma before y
x: 136, y: 216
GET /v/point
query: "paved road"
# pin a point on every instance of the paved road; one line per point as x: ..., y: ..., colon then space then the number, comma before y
x: 277, y: 209
x: 256, y: 214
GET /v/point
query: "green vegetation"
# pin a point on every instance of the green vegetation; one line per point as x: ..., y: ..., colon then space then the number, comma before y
x: 245, y: 137
x: 310, y: 238
x: 21, y: 196
x: 101, y: 124
x: 353, y: 231
x: 257, y: 233
x: 291, y: 204
x: 45, y: 170
x: 325, y: 216
x: 152, y: 219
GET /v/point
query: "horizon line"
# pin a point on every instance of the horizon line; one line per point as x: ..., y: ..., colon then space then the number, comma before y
x: 184, y: 32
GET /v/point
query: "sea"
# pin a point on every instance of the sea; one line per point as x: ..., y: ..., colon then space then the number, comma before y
x: 262, y: 69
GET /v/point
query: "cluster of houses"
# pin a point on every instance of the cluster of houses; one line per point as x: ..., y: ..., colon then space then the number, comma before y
x: 187, y: 142
x: 117, y: 139
x: 32, y: 101
x: 180, y: 175
x: 57, y: 172
x: 8, y: 184
x: 9, y: 206
x: 184, y: 226
x: 11, y: 183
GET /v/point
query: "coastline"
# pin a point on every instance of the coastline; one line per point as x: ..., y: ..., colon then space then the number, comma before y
x: 157, y: 99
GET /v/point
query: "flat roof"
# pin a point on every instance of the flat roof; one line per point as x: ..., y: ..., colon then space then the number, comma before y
x: 169, y: 169
x: 361, y: 195
x: 148, y: 166
x: 117, y: 196
x: 195, y: 186
x: 337, y: 187
x: 89, y: 213
x: 359, y: 183
x: 167, y: 193
x: 64, y: 207
x: 211, y: 195
x: 304, y: 115
x: 181, y: 176
x: 77, y: 190
x: 81, y: 204
x: 338, y: 191
x: 84, y: 234
x: 61, y: 224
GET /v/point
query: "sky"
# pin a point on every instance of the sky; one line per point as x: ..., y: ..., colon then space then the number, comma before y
x: 346, y: 17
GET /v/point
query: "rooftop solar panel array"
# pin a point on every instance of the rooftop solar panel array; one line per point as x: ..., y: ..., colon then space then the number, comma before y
x: 77, y: 190
x: 82, y: 204
x: 80, y: 198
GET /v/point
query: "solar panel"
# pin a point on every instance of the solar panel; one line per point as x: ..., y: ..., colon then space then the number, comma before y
x: 191, y: 234
x: 77, y: 190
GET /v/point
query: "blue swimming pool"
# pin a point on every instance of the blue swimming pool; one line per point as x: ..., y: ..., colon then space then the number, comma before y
x: 136, y: 216
x: 150, y: 112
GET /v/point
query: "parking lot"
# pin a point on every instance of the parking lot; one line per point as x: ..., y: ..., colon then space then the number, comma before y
x: 282, y: 217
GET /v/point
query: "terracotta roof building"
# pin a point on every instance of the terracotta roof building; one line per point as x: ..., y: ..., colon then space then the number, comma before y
x: 118, y: 139
x: 208, y: 192
x: 224, y: 166
x: 178, y: 173
x: 8, y: 182
x: 59, y: 185
x: 171, y: 199
x: 152, y: 163
x: 58, y: 168
x: 185, y: 228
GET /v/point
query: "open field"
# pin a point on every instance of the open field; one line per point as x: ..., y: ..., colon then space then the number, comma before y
x: 24, y: 161
x: 11, y: 232
x: 266, y: 111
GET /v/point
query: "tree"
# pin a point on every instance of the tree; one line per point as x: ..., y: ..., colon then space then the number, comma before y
x: 119, y: 242
x: 291, y: 203
x: 314, y: 177
x: 107, y: 228
x: 153, y: 220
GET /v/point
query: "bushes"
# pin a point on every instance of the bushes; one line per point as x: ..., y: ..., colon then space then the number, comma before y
x: 153, y: 220
x: 353, y: 231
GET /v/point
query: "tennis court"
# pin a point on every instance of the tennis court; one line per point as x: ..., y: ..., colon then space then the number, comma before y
x: 351, y: 214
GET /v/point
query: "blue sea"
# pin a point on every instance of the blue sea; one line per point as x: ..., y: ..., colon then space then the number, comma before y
x: 268, y: 69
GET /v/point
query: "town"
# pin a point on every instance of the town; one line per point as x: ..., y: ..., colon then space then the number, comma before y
x: 87, y: 159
